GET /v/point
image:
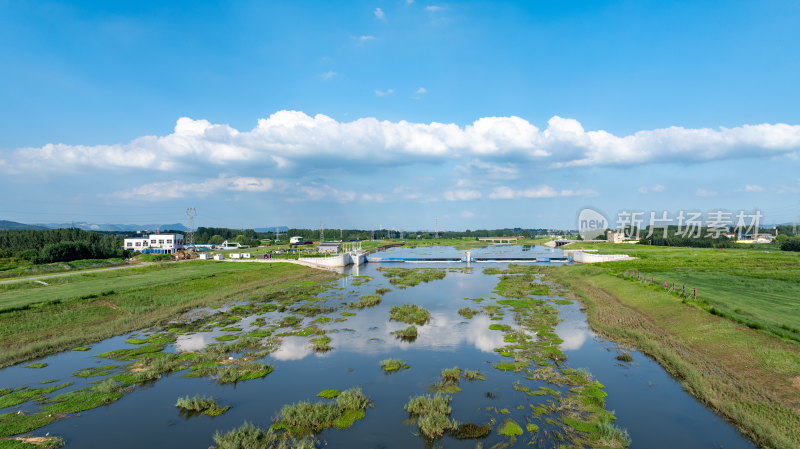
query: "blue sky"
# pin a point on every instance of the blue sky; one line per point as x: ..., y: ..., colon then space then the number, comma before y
x: 394, y: 113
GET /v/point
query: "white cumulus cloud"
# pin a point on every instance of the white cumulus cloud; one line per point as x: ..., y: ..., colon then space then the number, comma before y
x: 461, y: 195
x: 705, y: 193
x: 287, y: 138
x: 179, y: 189
x: 544, y: 191
x: 379, y: 14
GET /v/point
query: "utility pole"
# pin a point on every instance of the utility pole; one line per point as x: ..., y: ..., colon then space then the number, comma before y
x: 436, y: 235
x: 794, y: 228
x: 191, y: 212
x: 321, y: 232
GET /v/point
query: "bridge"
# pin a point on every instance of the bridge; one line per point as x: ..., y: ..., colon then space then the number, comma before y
x: 467, y: 260
x: 500, y: 240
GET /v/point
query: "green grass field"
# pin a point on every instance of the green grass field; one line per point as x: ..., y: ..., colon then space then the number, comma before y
x: 90, y: 307
x: 746, y: 375
x: 13, y: 268
x: 760, y: 288
x: 78, y: 285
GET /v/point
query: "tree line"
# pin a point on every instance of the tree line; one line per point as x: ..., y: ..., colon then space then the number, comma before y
x: 211, y: 235
x: 60, y: 245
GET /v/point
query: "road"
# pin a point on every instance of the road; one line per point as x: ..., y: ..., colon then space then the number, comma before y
x: 71, y: 273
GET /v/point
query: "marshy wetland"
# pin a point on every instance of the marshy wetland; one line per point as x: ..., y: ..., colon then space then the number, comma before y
x: 491, y: 355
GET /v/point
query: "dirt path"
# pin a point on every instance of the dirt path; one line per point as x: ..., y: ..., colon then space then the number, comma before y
x: 70, y: 273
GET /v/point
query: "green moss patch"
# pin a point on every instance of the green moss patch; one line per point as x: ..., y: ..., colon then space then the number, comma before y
x: 329, y: 394
x: 510, y: 428
x: 94, y: 371
x: 36, y: 365
x: 17, y: 423
x: 227, y: 337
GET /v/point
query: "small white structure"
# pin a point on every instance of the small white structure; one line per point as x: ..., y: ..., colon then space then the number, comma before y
x: 219, y: 257
x: 240, y: 255
x: 204, y: 257
x: 296, y: 240
x: 156, y: 243
x: 330, y: 247
x: 583, y: 257
x: 615, y: 236
x: 756, y: 238
x: 231, y: 245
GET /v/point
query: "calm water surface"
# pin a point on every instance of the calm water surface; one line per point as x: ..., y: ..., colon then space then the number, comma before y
x: 648, y: 403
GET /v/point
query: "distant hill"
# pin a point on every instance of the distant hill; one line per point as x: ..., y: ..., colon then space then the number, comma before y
x: 272, y: 229
x: 5, y: 224
x: 115, y: 227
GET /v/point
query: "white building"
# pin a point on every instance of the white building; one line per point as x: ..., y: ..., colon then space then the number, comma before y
x: 615, y: 237
x: 156, y: 243
x: 330, y: 247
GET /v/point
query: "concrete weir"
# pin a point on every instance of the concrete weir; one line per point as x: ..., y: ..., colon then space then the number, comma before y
x: 355, y: 257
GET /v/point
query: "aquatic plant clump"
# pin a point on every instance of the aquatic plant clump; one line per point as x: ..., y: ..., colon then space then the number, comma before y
x: 366, y: 301
x: 392, y: 365
x: 510, y: 428
x: 201, y: 404
x: 467, y: 313
x: 302, y: 418
x: 95, y: 371
x: 471, y: 431
x: 407, y: 277
x: 409, y: 313
x: 249, y: 436
x: 321, y: 344
x: 407, y: 334
x: 21, y: 422
x: 432, y: 413
x: 625, y: 357
x: 472, y: 375
x: 102, y: 393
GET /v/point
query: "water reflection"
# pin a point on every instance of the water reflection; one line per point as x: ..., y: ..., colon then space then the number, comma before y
x: 573, y: 329
x: 574, y: 335
x: 442, y: 333
x: 293, y: 348
x: 193, y: 342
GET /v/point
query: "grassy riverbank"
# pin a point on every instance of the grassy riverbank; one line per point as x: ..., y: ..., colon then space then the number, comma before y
x: 83, y: 309
x: 749, y: 374
x: 11, y: 268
